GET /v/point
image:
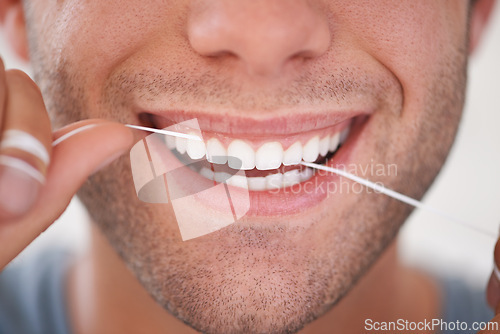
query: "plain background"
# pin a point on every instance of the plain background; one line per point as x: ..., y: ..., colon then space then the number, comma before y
x: 468, y: 186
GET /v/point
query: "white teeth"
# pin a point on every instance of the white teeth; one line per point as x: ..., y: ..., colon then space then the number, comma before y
x: 181, y: 144
x: 207, y: 173
x: 270, y: 182
x: 274, y: 181
x: 269, y: 156
x: 311, y: 150
x: 306, y: 174
x: 324, y: 145
x: 293, y: 155
x: 216, y: 153
x: 195, y: 148
x: 242, y: 151
x: 291, y: 177
x: 344, y: 134
x: 238, y: 181
x: 334, y: 142
x: 257, y: 183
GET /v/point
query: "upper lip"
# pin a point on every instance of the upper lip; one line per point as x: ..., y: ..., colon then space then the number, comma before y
x: 277, y: 124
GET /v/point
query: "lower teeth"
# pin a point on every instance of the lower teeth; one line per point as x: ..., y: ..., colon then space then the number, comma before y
x: 260, y: 183
x: 272, y: 181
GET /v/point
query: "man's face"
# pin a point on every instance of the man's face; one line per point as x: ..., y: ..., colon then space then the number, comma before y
x: 261, y: 71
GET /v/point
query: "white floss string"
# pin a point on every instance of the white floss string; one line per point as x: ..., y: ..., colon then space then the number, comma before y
x: 400, y: 197
x: 377, y: 187
x: 164, y: 132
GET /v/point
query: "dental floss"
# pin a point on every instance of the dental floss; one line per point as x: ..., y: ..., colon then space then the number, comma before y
x: 400, y: 197
x: 165, y: 132
x: 377, y: 187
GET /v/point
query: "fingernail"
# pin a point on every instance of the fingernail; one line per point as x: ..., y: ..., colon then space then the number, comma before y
x: 20, y: 184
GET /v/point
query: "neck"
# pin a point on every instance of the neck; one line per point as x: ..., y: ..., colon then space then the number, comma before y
x: 105, y: 297
x: 387, y: 292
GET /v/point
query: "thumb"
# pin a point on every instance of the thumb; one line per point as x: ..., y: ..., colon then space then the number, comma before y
x: 79, y: 150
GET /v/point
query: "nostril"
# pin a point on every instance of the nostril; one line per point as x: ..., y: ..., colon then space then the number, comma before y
x: 221, y: 54
x: 305, y: 54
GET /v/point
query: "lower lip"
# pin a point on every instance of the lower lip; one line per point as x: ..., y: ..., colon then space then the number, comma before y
x: 279, y: 202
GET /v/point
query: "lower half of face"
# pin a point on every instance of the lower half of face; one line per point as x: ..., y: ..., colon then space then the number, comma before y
x: 302, y: 245
x: 277, y: 271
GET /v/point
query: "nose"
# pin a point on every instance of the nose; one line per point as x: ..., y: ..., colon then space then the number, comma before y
x: 263, y: 35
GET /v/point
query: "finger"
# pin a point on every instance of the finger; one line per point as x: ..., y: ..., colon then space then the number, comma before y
x: 72, y: 129
x: 25, y: 145
x: 73, y: 160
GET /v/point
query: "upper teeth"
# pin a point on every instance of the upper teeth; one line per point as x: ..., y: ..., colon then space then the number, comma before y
x: 216, y: 152
x: 269, y: 155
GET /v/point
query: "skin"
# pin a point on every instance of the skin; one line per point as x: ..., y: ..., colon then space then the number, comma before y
x: 404, y: 60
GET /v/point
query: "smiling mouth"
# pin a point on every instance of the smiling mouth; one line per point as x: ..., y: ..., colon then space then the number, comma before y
x: 269, y: 163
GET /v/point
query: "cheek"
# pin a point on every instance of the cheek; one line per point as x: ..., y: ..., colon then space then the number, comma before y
x: 419, y: 42
x: 424, y: 46
x: 92, y: 38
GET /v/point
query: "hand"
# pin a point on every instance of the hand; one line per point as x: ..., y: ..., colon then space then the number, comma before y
x: 38, y: 179
x: 493, y: 290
